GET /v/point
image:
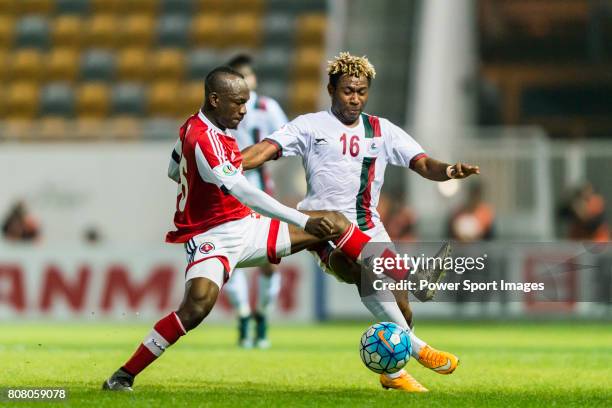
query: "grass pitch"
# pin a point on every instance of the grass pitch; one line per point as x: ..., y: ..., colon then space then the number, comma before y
x: 515, y: 364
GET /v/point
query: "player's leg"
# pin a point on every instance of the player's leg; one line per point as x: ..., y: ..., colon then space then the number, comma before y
x: 200, y: 296
x: 237, y: 291
x: 268, y: 287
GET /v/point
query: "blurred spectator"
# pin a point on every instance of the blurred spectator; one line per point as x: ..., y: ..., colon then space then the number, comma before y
x: 398, y: 219
x: 585, y: 213
x: 474, y: 220
x: 19, y: 225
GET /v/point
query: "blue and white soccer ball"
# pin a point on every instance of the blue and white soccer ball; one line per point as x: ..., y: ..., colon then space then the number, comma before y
x: 385, y: 348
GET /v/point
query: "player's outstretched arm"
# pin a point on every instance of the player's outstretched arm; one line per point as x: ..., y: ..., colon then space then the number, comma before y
x: 435, y: 170
x: 259, y: 153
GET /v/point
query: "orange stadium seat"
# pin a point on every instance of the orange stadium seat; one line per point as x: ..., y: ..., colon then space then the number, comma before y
x: 102, y: 31
x: 168, y: 64
x: 67, y: 30
x: 89, y: 128
x: 106, y: 6
x: 51, y: 128
x: 163, y: 97
x: 18, y: 129
x: 26, y: 64
x: 137, y: 30
x: 8, y: 7
x: 22, y: 100
x: 93, y: 100
x: 36, y: 6
x: 191, y: 98
x: 7, y: 29
x: 243, y: 30
x: 307, y: 62
x: 133, y: 64
x: 124, y: 128
x: 149, y: 7
x: 304, y: 96
x: 310, y: 29
x: 207, y: 30
x: 62, y: 64
x: 230, y: 6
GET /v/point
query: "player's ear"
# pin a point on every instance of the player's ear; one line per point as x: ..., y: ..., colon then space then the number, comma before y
x: 330, y: 89
x: 213, y: 99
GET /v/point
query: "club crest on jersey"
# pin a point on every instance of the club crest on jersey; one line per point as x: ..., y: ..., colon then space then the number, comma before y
x: 207, y: 248
x: 228, y: 169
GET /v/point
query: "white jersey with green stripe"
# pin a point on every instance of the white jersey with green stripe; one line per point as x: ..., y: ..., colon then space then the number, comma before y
x: 345, y: 166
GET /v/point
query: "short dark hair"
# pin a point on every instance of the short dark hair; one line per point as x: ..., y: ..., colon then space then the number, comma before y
x: 213, y: 80
x: 240, y: 60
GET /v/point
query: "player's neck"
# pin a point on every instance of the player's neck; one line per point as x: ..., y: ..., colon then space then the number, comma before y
x: 343, y: 120
x: 212, y: 119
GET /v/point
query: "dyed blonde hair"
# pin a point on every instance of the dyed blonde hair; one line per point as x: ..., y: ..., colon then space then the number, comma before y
x: 347, y: 64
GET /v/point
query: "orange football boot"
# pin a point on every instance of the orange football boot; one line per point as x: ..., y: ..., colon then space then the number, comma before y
x: 405, y: 382
x: 439, y: 361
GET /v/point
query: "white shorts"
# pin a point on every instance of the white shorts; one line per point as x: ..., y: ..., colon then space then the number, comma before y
x: 377, y: 234
x: 251, y: 241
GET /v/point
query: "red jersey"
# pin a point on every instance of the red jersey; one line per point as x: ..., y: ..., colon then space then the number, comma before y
x: 208, y: 159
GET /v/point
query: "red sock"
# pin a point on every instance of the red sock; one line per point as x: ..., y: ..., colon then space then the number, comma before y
x: 352, y: 241
x: 164, y: 334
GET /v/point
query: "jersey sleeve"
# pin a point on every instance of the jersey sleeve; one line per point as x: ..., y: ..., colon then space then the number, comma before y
x: 291, y: 139
x: 402, y: 149
x: 213, y: 165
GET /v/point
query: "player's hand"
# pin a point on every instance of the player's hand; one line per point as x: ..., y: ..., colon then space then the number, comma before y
x: 463, y: 170
x: 320, y: 227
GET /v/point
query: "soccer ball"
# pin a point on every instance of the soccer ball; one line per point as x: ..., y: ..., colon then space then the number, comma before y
x: 385, y: 348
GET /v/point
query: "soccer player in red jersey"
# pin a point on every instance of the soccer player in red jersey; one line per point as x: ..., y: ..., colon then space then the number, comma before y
x: 215, y: 220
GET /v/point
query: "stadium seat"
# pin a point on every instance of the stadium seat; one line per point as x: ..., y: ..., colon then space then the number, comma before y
x: 243, y: 30
x: 207, y: 30
x: 7, y: 25
x: 172, y: 30
x: 278, y: 29
x: 26, y: 64
x: 307, y: 62
x: 51, y: 128
x: 139, y: 7
x: 124, y: 128
x: 32, y: 31
x: 67, y: 30
x: 8, y: 7
x: 162, y: 99
x: 106, y: 6
x: 201, y: 62
x: 133, y: 64
x: 90, y: 128
x: 304, y: 96
x: 192, y: 97
x: 57, y: 98
x: 168, y: 64
x: 22, y: 100
x: 161, y: 128
x: 93, y: 100
x: 42, y: 7
x: 128, y: 99
x: 297, y: 6
x: 71, y: 7
x: 137, y: 30
x: 102, y: 31
x: 274, y: 88
x: 4, y: 65
x: 17, y: 129
x: 185, y: 7
x: 272, y: 63
x: 231, y: 6
x: 62, y: 64
x: 310, y: 29
x: 97, y: 65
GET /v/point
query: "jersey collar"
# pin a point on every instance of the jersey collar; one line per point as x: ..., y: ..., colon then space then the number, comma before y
x: 352, y: 129
x: 208, y: 123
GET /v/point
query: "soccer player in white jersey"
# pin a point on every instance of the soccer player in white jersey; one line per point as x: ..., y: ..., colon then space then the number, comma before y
x: 263, y: 116
x: 345, y: 152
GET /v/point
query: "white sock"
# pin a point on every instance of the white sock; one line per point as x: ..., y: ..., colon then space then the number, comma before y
x: 388, y: 311
x: 267, y: 293
x: 238, y: 292
x: 395, y: 375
